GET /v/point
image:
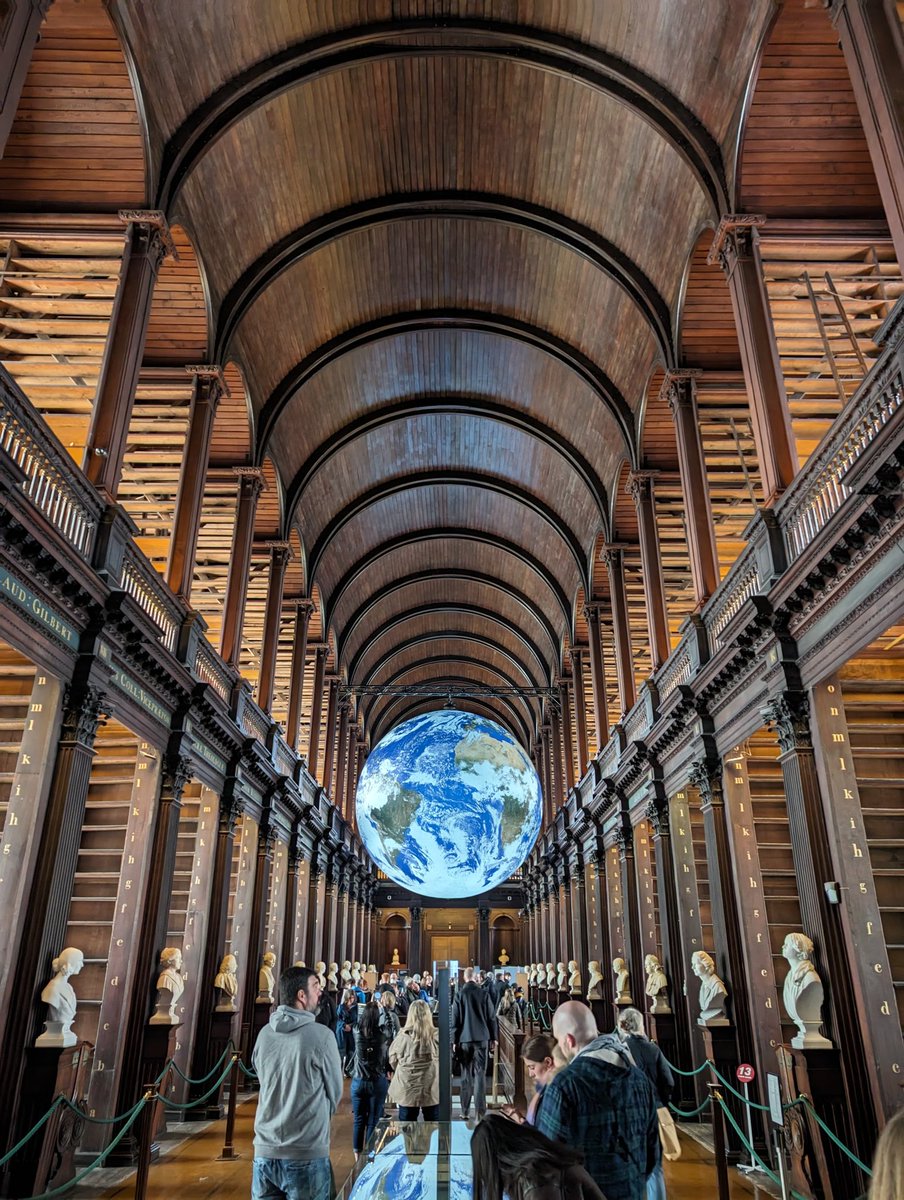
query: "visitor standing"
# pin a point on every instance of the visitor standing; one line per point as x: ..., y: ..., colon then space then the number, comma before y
x: 346, y: 1020
x: 647, y: 1056
x: 300, y: 1076
x: 414, y: 1061
x: 473, y: 1036
x: 370, y: 1082
x: 516, y: 1160
x: 508, y: 1008
x: 602, y: 1105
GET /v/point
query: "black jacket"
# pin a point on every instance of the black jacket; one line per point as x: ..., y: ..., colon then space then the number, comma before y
x: 326, y: 1011
x: 473, y: 1016
x: 371, y: 1056
x: 651, y: 1060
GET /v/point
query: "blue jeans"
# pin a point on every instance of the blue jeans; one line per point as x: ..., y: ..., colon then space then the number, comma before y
x: 288, y: 1179
x: 368, y: 1098
x: 656, y: 1184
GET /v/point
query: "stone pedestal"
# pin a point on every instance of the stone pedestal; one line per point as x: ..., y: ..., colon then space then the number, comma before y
x: 48, y: 1159
x: 722, y: 1049
x: 222, y: 1031
x: 818, y: 1074
x: 158, y: 1048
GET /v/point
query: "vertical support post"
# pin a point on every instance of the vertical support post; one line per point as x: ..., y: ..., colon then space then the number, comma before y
x: 719, y: 1149
x: 208, y: 388
x: 414, y: 941
x: 735, y: 246
x: 329, y: 745
x: 483, y: 936
x: 555, y: 759
x: 341, y: 755
x: 443, y: 991
x: 680, y: 391
x: 640, y: 484
x: 147, y: 244
x: 567, y: 734
x: 580, y: 710
x: 251, y: 484
x: 280, y: 555
x: 228, y: 1153
x: 597, y: 672
x: 320, y: 654
x: 614, y: 558
x: 265, y: 840
x: 303, y: 610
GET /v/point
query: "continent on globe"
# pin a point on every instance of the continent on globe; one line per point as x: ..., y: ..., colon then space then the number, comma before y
x: 449, y: 804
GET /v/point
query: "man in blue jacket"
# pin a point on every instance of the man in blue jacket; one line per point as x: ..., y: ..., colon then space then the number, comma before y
x: 297, y: 1063
x: 601, y: 1105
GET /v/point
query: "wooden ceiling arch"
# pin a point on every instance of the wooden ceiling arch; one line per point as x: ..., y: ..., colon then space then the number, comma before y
x: 503, y: 545
x: 574, y: 235
x: 588, y: 371
x: 468, y: 407
x: 444, y: 575
x: 359, y: 669
x: 430, y: 479
x: 574, y: 61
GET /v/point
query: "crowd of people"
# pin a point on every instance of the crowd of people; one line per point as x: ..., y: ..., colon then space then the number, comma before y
x: 595, y: 1128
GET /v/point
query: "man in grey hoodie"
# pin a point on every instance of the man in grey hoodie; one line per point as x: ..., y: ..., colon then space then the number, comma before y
x: 297, y: 1063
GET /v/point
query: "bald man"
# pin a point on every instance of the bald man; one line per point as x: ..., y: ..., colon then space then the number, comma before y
x: 602, y: 1105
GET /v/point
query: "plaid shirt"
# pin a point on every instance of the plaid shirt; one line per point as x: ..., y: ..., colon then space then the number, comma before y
x: 608, y: 1112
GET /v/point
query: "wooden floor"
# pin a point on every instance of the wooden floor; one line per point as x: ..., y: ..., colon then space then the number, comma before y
x: 191, y: 1171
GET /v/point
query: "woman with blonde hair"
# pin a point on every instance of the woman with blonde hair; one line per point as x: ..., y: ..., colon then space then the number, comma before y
x: 414, y: 1059
x: 888, y: 1161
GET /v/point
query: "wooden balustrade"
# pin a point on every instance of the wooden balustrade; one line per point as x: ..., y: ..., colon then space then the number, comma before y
x: 511, y: 1062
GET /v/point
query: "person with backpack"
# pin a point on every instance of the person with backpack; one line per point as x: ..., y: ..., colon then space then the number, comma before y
x: 370, y: 1078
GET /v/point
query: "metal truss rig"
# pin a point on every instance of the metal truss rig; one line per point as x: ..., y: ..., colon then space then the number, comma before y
x: 432, y: 691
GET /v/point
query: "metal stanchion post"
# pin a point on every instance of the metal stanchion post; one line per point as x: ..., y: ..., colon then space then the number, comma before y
x: 228, y: 1153
x: 145, y: 1134
x: 715, y: 1098
x: 442, y: 973
x: 780, y: 1158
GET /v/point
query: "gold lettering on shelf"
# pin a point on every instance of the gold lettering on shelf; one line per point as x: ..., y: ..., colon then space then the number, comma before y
x: 833, y: 711
x: 857, y: 852
x: 753, y: 882
x: 869, y: 929
x: 863, y: 889
x: 769, y: 1002
x: 884, y: 1009
x: 838, y: 737
x: 848, y: 794
x: 841, y: 764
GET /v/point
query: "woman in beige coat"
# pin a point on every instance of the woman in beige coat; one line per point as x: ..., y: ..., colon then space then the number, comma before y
x: 414, y: 1059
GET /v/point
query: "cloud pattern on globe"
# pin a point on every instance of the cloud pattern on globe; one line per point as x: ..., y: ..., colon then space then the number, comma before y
x: 449, y: 804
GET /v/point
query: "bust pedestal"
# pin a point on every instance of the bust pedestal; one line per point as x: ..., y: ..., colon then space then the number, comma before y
x: 563, y: 996
x: 262, y: 1011
x: 818, y: 1074
x: 721, y: 1047
x: 602, y: 1014
x: 48, y: 1159
x: 222, y: 1031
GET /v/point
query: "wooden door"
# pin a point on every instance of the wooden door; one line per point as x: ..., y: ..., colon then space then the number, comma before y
x: 450, y: 948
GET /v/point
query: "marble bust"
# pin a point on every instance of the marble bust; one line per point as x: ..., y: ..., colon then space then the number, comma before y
x: 266, y: 980
x: 332, y: 977
x: 656, y: 984
x: 345, y: 973
x: 550, y: 975
x: 574, y: 978
x: 541, y: 975
x: 622, y: 982
x: 594, y: 989
x: 320, y: 968
x: 531, y: 974
x: 803, y: 993
x: 396, y: 961
x: 713, y: 992
x: 170, y: 986
x: 61, y: 1001
x: 227, y: 984
x: 561, y: 976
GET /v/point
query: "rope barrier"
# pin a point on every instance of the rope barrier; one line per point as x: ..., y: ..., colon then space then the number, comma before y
x: 754, y: 1157
x: 201, y: 1099
x: 688, y: 1074
x: 133, y: 1117
x: 34, y: 1129
x: 735, y: 1092
x: 247, y: 1071
x: 686, y: 1116
x: 230, y: 1048
x: 838, y: 1142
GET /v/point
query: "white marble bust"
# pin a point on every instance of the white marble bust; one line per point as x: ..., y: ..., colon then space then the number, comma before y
x: 594, y: 983
x: 345, y: 974
x: 332, y: 977
x: 550, y: 975
x: 561, y: 976
x: 574, y: 978
x: 227, y: 984
x: 803, y: 993
x: 656, y: 984
x: 61, y: 1001
x: 320, y: 968
x: 622, y: 981
x: 531, y: 974
x: 541, y: 975
x: 713, y: 991
x: 170, y: 986
x: 266, y: 979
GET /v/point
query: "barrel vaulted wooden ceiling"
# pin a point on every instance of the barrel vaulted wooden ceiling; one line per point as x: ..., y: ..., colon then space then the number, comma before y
x: 446, y: 244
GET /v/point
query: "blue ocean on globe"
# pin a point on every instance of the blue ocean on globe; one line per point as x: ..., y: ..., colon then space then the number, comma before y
x: 406, y: 1169
x: 449, y: 804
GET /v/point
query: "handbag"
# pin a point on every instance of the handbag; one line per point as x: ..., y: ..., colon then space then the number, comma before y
x: 668, y: 1135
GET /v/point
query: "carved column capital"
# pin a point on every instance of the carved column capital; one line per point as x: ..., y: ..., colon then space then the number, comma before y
x: 84, y: 709
x: 735, y: 233
x: 251, y: 480
x: 177, y: 771
x: 706, y: 777
x: 639, y: 485
x: 210, y: 383
x: 678, y: 387
x: 657, y: 813
x: 230, y: 811
x: 155, y: 239
x: 788, y: 716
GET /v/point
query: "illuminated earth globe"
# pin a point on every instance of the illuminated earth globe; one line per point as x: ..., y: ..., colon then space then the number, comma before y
x: 406, y: 1168
x: 448, y: 804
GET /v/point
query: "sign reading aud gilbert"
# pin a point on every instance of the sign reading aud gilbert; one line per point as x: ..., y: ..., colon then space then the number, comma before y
x: 14, y: 591
x: 133, y: 688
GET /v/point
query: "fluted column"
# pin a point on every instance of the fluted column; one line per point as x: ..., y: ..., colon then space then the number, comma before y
x: 641, y: 486
x: 329, y: 745
x: 680, y: 391
x: 341, y: 755
x: 567, y: 738
x: 580, y: 709
x: 320, y: 653
x: 251, y: 484
x: 614, y: 558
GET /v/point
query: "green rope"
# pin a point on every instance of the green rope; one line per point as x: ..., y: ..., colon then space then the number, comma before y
x: 754, y: 1157
x: 838, y: 1142
x: 34, y: 1129
x: 230, y: 1047
x: 133, y: 1117
x: 247, y: 1071
x: 201, y: 1099
x: 686, y: 1116
x: 95, y: 1120
x: 688, y: 1074
x: 736, y: 1093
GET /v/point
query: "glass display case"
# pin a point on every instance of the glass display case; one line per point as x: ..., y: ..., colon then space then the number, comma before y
x: 413, y: 1161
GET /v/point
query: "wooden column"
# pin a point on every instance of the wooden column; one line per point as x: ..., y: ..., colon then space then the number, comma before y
x: 415, y: 948
x: 736, y: 247
x: 303, y: 610
x: 330, y: 905
x: 280, y: 555
x: 287, y: 948
x: 555, y: 757
x: 51, y: 885
x: 320, y: 653
x: 329, y: 745
x: 593, y: 613
x: 614, y: 558
x: 641, y: 486
x: 870, y: 37
x: 209, y: 387
x: 262, y: 871
x: 580, y: 711
x: 147, y: 244
x: 341, y: 754
x: 351, y: 772
x: 680, y: 390
x: 251, y: 484
x: 630, y: 913
x: 789, y: 715
x: 23, y: 25
x: 546, y: 774
x: 152, y: 932
x: 230, y: 809
x: 314, y: 935
x: 579, y: 929
x: 567, y: 735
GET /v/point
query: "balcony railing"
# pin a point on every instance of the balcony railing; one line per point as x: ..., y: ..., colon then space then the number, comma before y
x: 210, y: 668
x: 741, y: 582
x: 149, y: 591
x: 52, y: 482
